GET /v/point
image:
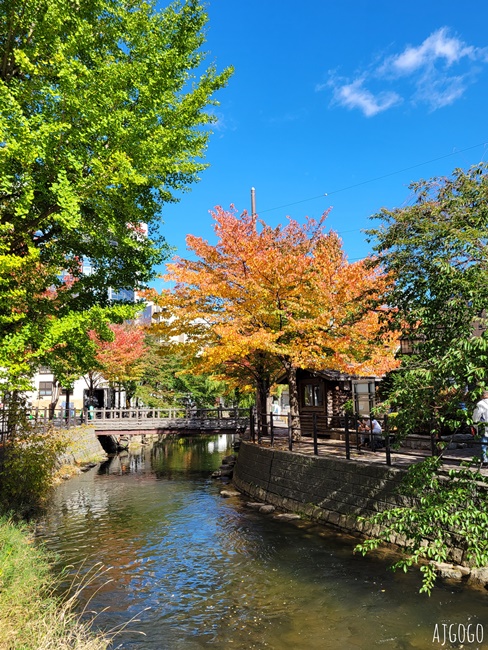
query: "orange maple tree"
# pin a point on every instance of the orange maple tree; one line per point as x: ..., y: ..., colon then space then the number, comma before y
x: 121, y: 360
x: 264, y: 301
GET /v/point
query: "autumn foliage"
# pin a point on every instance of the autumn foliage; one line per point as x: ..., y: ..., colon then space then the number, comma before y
x: 280, y: 298
x: 121, y: 360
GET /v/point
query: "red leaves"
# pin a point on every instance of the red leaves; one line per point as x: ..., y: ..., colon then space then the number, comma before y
x: 121, y: 359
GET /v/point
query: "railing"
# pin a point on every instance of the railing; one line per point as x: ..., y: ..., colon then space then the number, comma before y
x: 132, y: 419
x: 13, y: 419
x: 315, y: 432
x: 166, y: 413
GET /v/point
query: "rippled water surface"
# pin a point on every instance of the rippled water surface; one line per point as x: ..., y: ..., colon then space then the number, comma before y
x: 195, y: 570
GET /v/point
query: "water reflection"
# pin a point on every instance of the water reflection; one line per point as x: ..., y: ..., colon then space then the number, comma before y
x: 200, y: 571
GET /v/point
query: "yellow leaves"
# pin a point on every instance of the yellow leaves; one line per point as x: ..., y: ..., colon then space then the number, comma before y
x: 285, y: 292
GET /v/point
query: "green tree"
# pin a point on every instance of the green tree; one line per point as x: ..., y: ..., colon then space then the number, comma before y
x: 68, y: 346
x: 169, y: 380
x: 436, y: 251
x: 103, y: 119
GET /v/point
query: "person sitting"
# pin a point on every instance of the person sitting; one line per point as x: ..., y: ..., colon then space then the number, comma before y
x: 374, y: 428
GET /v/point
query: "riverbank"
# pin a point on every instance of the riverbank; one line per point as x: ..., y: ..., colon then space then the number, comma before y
x: 83, y: 450
x: 335, y: 492
x: 200, y: 570
x: 31, y: 616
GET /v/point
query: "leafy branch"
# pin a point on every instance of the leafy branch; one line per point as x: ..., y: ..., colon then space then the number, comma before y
x: 440, y: 512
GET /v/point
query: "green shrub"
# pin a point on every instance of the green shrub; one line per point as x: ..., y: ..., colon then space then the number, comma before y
x: 444, y: 511
x: 28, y: 465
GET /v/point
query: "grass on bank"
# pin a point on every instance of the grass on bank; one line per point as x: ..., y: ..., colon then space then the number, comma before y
x: 31, y: 616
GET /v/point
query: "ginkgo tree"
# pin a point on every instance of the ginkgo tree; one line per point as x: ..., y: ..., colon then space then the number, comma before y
x: 265, y: 301
x: 105, y: 115
x: 104, y: 118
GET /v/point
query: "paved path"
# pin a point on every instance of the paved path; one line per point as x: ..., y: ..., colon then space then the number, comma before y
x: 401, y: 458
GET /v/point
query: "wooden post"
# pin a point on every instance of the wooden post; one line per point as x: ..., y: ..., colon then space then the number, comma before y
x: 433, y: 448
x: 346, y: 432
x: 387, y: 440
x: 290, y: 433
x: 314, y: 429
x: 271, y: 428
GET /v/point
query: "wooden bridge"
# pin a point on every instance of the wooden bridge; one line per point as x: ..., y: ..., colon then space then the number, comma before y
x: 126, y: 421
x: 137, y: 421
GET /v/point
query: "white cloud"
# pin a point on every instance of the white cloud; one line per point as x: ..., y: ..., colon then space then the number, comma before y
x: 437, y: 91
x: 289, y: 117
x: 436, y: 73
x: 438, y: 46
x: 353, y: 95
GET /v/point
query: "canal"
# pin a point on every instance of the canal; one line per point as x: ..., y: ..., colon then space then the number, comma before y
x: 185, y: 569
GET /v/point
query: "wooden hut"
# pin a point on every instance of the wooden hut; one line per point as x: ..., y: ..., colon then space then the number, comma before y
x: 325, y: 393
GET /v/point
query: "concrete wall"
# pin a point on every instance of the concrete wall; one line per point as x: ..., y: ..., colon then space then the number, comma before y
x: 325, y: 489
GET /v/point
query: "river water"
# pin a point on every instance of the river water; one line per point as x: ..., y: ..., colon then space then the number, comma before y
x: 185, y: 569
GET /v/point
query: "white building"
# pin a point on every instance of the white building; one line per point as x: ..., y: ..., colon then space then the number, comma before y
x: 45, y: 388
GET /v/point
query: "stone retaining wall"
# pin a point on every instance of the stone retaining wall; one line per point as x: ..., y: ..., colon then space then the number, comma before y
x: 327, y: 490
x: 84, y: 447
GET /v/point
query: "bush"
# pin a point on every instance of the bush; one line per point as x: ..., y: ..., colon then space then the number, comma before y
x: 28, y: 465
x: 444, y: 511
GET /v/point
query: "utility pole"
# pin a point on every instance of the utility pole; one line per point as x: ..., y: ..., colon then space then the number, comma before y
x: 253, y: 201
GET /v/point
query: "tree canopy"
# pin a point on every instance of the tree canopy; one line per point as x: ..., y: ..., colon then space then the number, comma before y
x: 168, y: 380
x: 105, y: 107
x: 103, y: 119
x: 121, y: 359
x: 436, y: 250
x: 265, y: 301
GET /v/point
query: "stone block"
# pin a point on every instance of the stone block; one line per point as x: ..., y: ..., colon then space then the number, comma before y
x: 478, y: 577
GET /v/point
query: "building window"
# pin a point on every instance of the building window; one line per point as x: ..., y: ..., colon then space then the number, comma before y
x: 364, y: 397
x: 313, y: 395
x: 45, y: 388
x: 44, y: 370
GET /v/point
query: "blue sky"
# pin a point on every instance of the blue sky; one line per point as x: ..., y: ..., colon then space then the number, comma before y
x: 337, y: 104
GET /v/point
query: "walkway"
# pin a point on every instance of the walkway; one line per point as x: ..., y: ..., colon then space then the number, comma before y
x: 401, y: 458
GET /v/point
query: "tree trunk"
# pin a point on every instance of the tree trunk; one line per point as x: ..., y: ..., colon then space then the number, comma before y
x: 262, y: 392
x: 291, y: 374
x: 67, y: 410
x: 54, y: 398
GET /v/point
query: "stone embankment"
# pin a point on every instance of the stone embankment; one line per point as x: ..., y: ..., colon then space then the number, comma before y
x: 83, y: 452
x: 327, y: 490
x: 330, y: 491
x: 226, y: 470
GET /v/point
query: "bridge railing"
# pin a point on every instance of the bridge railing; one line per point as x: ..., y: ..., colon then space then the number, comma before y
x: 165, y: 414
x: 22, y: 418
x: 12, y: 420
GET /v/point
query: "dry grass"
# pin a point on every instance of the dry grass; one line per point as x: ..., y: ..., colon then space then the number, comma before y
x: 32, y: 617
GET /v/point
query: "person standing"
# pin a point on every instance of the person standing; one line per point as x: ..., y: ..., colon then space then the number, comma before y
x: 480, y: 418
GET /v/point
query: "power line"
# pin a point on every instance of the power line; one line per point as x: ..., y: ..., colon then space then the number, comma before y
x: 372, y: 180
